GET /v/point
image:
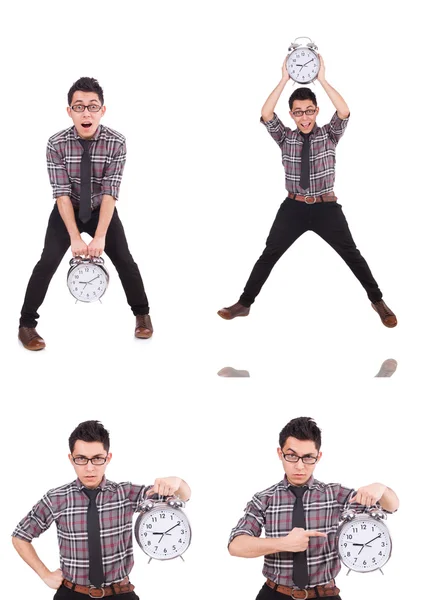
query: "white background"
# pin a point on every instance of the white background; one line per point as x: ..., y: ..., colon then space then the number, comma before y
x: 185, y: 82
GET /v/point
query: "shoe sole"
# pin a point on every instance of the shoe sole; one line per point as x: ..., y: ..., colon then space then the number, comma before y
x: 143, y: 337
x: 231, y: 318
x: 32, y: 349
x: 385, y: 324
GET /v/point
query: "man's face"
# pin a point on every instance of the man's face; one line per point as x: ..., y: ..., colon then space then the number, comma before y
x: 305, y: 123
x: 90, y: 474
x: 298, y: 473
x: 86, y: 122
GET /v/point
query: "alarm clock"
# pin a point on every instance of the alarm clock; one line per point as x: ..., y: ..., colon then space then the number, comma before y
x: 87, y: 278
x: 162, y: 529
x: 303, y: 63
x: 363, y: 540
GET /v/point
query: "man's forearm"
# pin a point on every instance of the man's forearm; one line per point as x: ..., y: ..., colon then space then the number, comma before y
x: 389, y: 501
x: 27, y: 552
x: 248, y: 546
x: 270, y: 104
x: 336, y: 99
x: 67, y: 213
x: 105, y: 215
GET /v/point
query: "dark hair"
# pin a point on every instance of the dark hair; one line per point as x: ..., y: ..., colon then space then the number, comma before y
x: 86, y: 84
x: 302, y: 93
x: 302, y: 428
x: 90, y: 431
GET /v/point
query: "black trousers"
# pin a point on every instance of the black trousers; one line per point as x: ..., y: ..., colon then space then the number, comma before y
x: 63, y: 593
x: 57, y: 242
x: 267, y: 593
x: 292, y: 220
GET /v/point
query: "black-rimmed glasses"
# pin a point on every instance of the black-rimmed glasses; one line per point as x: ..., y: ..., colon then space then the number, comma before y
x: 80, y: 108
x: 83, y: 460
x: 307, y: 460
x: 300, y: 113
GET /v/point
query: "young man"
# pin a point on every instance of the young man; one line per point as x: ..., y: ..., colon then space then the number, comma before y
x: 94, y: 522
x: 300, y: 516
x: 308, y: 155
x: 85, y: 164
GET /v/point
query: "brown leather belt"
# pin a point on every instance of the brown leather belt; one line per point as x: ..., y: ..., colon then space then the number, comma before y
x: 328, y: 197
x: 320, y: 591
x: 93, y: 592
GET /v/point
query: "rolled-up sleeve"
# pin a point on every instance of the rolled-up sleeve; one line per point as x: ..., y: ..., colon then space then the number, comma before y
x: 252, y: 521
x: 36, y: 522
x: 336, y: 128
x: 276, y: 129
x: 138, y: 494
x: 57, y: 172
x: 114, y: 173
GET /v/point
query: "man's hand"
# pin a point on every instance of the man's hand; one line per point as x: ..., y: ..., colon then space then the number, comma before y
x: 285, y: 74
x: 369, y: 495
x: 299, y: 538
x: 321, y: 76
x: 54, y: 579
x: 166, y: 486
x: 97, y: 245
x: 78, y: 246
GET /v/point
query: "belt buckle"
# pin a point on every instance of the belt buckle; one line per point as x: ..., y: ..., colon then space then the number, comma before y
x: 92, y: 587
x: 314, y: 202
x: 306, y: 591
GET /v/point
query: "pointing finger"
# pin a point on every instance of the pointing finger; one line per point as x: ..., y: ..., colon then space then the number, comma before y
x: 312, y: 533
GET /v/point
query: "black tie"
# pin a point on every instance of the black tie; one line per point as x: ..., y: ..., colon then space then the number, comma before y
x: 85, y: 182
x: 305, y: 162
x: 96, y: 571
x: 299, y: 569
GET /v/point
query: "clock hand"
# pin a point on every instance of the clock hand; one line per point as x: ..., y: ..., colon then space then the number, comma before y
x: 178, y: 524
x: 358, y: 544
x: 93, y: 279
x: 308, y: 62
x: 377, y: 536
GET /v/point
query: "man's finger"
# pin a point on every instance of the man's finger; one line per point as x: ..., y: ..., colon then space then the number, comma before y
x: 312, y: 533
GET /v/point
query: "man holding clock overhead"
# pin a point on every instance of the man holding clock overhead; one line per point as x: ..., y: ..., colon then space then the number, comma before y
x: 300, y: 516
x: 94, y: 522
x: 308, y: 156
x: 85, y: 165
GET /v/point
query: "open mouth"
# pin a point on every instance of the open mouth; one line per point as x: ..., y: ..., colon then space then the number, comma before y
x: 86, y: 125
x: 306, y: 125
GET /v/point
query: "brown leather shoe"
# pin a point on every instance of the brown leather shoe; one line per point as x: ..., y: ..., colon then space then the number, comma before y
x: 236, y: 310
x: 144, y: 329
x: 30, y: 338
x: 387, y: 316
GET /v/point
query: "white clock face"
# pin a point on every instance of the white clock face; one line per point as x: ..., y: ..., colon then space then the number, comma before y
x: 364, y: 544
x: 163, y: 533
x: 87, y: 282
x: 303, y: 65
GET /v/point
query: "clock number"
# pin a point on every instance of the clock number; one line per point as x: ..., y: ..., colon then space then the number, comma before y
x: 294, y: 60
x: 154, y: 519
x: 349, y: 537
x: 86, y: 269
x: 76, y: 289
x: 373, y: 560
x: 355, y: 529
x: 165, y: 550
x: 156, y: 547
x: 149, y: 542
x: 182, y: 532
x: 345, y: 544
x: 364, y: 562
x: 180, y: 541
x: 380, y: 553
x: 383, y: 544
x: 145, y: 534
x: 162, y: 516
x: 76, y: 276
x: 148, y: 526
x: 172, y: 517
x: 363, y: 526
x: 348, y: 553
x: 373, y: 528
x: 174, y: 548
x: 302, y: 53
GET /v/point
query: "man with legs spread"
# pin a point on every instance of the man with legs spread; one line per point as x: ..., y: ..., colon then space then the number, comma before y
x: 300, y: 516
x: 94, y: 522
x: 85, y: 165
x: 308, y: 155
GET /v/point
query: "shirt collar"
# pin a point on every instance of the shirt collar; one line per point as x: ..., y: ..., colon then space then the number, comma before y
x: 311, y: 483
x: 93, y: 139
x: 102, y: 485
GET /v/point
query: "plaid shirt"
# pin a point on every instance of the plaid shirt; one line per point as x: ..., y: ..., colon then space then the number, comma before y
x: 323, y: 142
x: 67, y: 506
x: 108, y: 156
x: 272, y: 510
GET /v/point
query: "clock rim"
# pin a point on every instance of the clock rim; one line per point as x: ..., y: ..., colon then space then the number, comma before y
x: 157, y: 508
x: 310, y: 80
x: 363, y: 517
x: 107, y: 279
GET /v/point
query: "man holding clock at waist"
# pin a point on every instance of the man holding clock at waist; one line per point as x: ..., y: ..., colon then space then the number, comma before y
x: 85, y: 165
x: 308, y: 156
x: 300, y: 516
x: 94, y: 522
